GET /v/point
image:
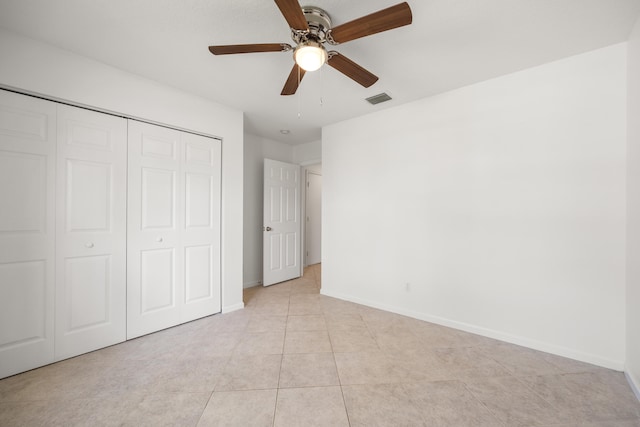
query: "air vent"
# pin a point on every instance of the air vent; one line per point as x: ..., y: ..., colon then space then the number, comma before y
x: 377, y: 99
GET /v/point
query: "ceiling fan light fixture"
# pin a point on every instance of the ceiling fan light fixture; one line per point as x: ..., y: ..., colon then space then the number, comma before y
x: 311, y: 27
x: 310, y: 55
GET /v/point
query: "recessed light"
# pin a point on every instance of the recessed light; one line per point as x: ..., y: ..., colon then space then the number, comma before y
x: 285, y: 131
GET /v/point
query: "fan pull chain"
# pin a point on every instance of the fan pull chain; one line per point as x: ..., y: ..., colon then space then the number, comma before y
x: 321, y: 86
x: 298, y: 96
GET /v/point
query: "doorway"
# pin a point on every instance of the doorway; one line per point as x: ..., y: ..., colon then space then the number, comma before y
x: 313, y: 215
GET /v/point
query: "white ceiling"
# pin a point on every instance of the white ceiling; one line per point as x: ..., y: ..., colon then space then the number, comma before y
x: 451, y: 43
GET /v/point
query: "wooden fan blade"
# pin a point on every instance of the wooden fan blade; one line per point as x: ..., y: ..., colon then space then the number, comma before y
x: 249, y: 48
x: 294, y: 79
x: 377, y: 22
x: 351, y: 69
x: 292, y: 12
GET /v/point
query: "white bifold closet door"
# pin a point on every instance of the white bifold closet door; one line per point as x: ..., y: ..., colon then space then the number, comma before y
x: 173, y: 246
x: 90, y: 231
x: 27, y: 232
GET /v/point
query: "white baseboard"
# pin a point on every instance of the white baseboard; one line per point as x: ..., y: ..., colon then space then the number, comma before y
x: 234, y: 307
x: 252, y: 284
x: 489, y: 333
x: 633, y: 383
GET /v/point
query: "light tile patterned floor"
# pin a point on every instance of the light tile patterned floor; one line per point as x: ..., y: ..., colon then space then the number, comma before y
x: 295, y: 358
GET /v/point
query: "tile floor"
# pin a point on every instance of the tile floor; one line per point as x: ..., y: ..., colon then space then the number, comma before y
x: 295, y: 358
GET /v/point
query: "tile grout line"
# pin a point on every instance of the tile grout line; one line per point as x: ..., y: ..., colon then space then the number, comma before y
x: 335, y: 362
x: 494, y: 415
x: 205, y: 408
x: 286, y: 321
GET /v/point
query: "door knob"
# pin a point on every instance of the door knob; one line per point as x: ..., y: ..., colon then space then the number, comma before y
x: 268, y: 228
x: 159, y: 239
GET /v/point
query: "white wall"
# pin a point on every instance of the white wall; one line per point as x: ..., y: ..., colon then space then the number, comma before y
x: 309, y: 153
x: 501, y: 204
x: 256, y: 149
x: 633, y: 211
x: 42, y: 69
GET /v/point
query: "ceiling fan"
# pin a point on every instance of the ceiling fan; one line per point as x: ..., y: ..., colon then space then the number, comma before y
x: 311, y: 29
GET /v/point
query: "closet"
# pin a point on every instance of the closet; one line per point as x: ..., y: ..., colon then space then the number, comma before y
x: 109, y: 229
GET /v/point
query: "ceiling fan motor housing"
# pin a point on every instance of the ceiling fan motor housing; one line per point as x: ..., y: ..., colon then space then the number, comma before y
x: 319, y: 25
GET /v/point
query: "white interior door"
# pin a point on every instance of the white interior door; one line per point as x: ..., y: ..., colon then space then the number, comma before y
x: 90, y: 231
x: 173, y: 245
x: 281, y: 231
x: 313, y: 212
x: 27, y: 229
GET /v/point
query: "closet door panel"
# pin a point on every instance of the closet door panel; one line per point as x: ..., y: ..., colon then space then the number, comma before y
x: 174, y: 228
x: 27, y: 231
x: 87, y: 288
x: 158, y: 199
x: 198, y: 273
x: 91, y: 231
x: 157, y: 280
x: 23, y: 187
x: 199, y: 201
x: 201, y: 227
x: 89, y: 197
x: 154, y: 248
